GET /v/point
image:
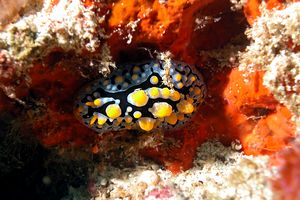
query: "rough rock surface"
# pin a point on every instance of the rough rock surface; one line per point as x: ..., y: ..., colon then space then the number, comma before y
x: 48, y: 54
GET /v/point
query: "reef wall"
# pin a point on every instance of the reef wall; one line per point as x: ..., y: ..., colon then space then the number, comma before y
x: 53, y: 49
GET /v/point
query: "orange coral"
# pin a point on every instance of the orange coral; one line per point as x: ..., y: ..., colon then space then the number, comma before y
x: 56, y: 128
x: 254, y: 109
x: 234, y: 108
x: 55, y: 123
x: 252, y: 11
x: 173, y: 26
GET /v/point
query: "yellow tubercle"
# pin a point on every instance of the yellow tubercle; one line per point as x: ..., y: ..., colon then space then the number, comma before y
x: 113, y: 111
x: 89, y: 103
x: 161, y: 109
x: 119, y: 79
x: 153, y: 93
x: 193, y: 78
x: 136, y: 69
x: 154, y: 80
x: 156, y: 65
x: 116, y: 123
x: 175, y: 95
x: 94, y: 118
x: 172, y: 119
x: 197, y: 91
x: 185, y: 107
x: 137, y: 114
x: 119, y: 119
x: 146, y: 123
x: 134, y: 77
x: 165, y: 93
x: 179, y: 85
x: 177, y: 77
x: 101, y: 120
x: 128, y: 119
x: 97, y: 102
x: 138, y: 98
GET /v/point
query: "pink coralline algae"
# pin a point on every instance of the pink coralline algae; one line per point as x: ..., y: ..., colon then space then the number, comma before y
x: 160, y: 193
x: 287, y: 182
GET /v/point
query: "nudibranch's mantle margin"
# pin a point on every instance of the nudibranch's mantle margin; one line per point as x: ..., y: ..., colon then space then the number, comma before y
x: 134, y: 97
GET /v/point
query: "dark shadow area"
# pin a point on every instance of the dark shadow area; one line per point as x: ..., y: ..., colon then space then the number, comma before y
x: 29, y: 171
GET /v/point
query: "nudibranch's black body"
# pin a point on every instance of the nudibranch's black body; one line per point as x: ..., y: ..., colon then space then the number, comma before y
x: 135, y: 97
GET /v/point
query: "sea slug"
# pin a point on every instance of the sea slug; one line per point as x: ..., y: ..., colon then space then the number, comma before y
x: 135, y: 97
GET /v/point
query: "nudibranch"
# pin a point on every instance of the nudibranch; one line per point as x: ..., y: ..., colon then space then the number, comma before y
x: 135, y: 97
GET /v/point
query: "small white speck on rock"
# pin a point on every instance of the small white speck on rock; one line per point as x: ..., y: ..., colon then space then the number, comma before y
x: 149, y: 177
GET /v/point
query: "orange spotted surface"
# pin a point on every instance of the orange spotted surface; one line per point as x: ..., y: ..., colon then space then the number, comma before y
x: 233, y: 109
